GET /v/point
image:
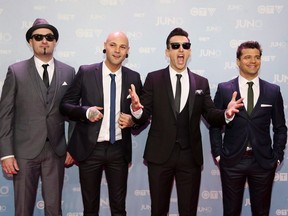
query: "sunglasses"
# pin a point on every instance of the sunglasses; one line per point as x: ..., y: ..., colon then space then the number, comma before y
x: 39, y: 37
x: 185, y: 46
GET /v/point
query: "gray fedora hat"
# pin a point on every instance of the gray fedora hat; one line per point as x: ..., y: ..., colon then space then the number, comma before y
x: 41, y: 23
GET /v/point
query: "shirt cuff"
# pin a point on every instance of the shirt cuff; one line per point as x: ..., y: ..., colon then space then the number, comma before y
x: 8, y: 156
x: 228, y: 120
x: 137, y: 114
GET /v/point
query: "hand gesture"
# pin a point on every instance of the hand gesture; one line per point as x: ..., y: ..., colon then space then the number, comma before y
x: 135, y: 102
x: 233, y: 106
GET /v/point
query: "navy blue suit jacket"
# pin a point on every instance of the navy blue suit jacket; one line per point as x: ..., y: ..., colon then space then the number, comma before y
x: 256, y: 127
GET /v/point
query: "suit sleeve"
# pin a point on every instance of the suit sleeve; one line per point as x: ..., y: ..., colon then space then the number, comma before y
x: 70, y: 105
x: 216, y: 132
x: 279, y: 127
x: 7, y: 107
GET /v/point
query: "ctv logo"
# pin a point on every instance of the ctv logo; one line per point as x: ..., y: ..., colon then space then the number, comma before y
x: 202, y: 11
x: 270, y: 9
x: 281, y: 177
x: 282, y: 212
x: 88, y: 33
x: 213, y: 195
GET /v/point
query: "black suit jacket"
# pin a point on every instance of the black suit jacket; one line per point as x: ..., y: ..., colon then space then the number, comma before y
x: 158, y: 101
x: 256, y: 127
x: 86, y: 91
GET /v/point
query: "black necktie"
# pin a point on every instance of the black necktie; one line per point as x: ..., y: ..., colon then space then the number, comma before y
x: 112, y: 108
x: 178, y: 93
x: 250, y: 98
x: 45, y: 75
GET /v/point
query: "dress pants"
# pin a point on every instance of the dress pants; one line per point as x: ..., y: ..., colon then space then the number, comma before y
x: 260, y: 183
x: 50, y: 168
x: 187, y: 175
x: 109, y: 158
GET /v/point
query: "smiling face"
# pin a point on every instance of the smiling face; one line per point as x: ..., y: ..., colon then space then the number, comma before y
x: 249, y: 63
x: 117, y: 47
x: 178, y: 57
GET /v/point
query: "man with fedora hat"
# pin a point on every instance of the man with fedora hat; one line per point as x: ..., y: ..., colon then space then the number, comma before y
x: 32, y: 137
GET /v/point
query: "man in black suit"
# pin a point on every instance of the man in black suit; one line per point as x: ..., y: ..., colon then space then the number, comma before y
x: 174, y: 147
x: 247, y: 151
x: 93, y: 144
x: 32, y: 137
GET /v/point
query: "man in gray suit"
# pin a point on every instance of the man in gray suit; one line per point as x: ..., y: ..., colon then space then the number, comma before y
x: 32, y: 137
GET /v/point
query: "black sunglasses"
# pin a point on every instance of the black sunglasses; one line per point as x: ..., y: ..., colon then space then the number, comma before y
x: 39, y: 37
x: 185, y: 46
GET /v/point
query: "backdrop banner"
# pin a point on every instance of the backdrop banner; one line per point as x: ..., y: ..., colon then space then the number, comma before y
x: 215, y: 27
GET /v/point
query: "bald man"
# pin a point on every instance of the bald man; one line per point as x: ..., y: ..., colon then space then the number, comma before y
x: 97, y: 101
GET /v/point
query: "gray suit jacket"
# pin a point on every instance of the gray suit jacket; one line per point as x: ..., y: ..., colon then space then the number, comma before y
x: 25, y: 120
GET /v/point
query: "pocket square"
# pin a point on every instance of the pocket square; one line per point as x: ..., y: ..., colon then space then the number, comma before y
x: 64, y: 83
x: 266, y: 105
x: 199, y: 92
x: 128, y: 96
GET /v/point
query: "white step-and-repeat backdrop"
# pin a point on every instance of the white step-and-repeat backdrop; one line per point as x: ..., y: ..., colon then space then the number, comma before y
x: 216, y: 28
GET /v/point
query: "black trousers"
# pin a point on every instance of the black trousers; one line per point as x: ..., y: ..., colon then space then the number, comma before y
x: 260, y: 183
x: 187, y: 175
x: 109, y: 158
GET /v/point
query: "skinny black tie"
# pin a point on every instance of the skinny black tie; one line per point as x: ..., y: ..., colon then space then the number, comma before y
x: 45, y: 75
x: 250, y: 100
x: 178, y: 93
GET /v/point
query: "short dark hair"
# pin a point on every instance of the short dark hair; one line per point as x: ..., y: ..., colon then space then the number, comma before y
x: 176, y: 32
x: 248, y: 45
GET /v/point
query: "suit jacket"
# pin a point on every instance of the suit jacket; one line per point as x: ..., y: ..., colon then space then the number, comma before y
x: 86, y: 91
x: 158, y: 101
x: 26, y: 121
x: 255, y: 128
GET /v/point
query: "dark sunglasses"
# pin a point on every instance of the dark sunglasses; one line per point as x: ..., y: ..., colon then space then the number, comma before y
x: 39, y: 37
x: 185, y: 46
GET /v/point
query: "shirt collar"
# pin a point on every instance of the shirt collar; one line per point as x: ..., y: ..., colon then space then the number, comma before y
x: 243, y: 81
x: 39, y: 63
x: 174, y: 72
x: 106, y: 71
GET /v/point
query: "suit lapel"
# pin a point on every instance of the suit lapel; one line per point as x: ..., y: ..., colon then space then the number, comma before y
x: 192, y: 89
x: 98, y: 83
x: 34, y: 78
x: 58, y: 76
x: 125, y: 87
x: 169, y: 90
x: 260, y: 98
x: 235, y: 87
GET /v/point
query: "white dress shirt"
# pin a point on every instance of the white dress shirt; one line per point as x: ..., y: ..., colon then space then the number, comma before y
x: 40, y: 69
x: 243, y: 87
x: 185, y: 86
x: 104, y: 134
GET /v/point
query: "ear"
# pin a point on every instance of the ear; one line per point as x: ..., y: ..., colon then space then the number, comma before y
x: 167, y: 53
x: 238, y: 62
